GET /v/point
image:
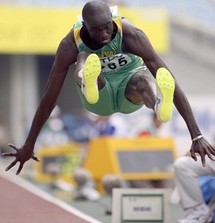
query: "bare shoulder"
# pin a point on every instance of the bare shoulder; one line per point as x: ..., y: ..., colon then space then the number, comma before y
x: 132, y: 35
x: 130, y: 29
x: 135, y: 40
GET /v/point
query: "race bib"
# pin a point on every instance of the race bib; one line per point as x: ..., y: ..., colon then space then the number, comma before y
x: 114, y: 63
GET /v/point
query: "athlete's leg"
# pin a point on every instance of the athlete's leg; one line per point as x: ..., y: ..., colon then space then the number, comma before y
x: 141, y: 89
x: 155, y: 94
x: 87, y: 75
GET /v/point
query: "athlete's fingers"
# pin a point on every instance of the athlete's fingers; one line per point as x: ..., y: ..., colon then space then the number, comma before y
x: 11, y: 165
x: 209, y: 152
x: 203, y: 159
x: 8, y: 154
x: 19, y: 169
x: 35, y: 158
x: 212, y: 151
x: 13, y: 146
x: 193, y: 155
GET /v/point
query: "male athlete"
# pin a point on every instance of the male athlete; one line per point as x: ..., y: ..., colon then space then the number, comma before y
x: 111, y: 56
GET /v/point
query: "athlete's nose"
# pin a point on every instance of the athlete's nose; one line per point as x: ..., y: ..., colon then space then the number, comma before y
x: 104, y: 35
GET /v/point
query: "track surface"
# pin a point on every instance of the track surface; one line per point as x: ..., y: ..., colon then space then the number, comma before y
x: 18, y: 205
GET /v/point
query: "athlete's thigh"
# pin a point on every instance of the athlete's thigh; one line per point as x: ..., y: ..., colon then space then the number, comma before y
x: 104, y: 106
x: 141, y: 87
x: 123, y: 103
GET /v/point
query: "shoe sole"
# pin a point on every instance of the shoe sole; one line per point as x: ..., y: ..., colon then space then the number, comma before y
x: 165, y: 91
x: 92, y: 70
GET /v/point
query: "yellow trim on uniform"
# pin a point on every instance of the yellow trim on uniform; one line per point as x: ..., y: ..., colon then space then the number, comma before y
x: 118, y: 22
x: 77, y: 31
x: 77, y: 36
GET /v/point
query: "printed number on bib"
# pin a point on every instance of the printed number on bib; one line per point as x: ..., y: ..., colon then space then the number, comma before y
x: 115, y: 62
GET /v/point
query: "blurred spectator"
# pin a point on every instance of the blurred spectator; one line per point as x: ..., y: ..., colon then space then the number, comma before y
x: 109, y: 182
x: 154, y: 129
x: 79, y: 128
x: 53, y: 132
x: 195, y: 189
x: 85, y: 185
x: 93, y: 126
x: 102, y: 124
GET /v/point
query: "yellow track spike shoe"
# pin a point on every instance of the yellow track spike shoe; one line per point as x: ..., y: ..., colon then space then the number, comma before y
x: 91, y: 71
x: 165, y: 92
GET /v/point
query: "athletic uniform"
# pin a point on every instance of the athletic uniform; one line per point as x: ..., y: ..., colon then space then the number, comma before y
x: 117, y: 69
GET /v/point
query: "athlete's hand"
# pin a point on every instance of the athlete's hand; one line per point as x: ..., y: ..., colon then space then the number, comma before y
x: 203, y: 148
x: 21, y: 155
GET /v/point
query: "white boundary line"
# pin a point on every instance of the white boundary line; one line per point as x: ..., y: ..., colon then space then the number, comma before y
x: 46, y: 196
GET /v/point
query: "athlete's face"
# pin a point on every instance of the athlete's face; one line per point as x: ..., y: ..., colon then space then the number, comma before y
x: 100, y: 29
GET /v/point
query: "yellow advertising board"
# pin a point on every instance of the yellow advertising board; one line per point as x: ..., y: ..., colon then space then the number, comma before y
x: 34, y: 30
x: 140, y: 158
x: 39, y: 30
x: 57, y: 162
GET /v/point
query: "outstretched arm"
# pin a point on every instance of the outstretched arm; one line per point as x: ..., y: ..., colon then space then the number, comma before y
x: 136, y: 42
x: 66, y: 55
x: 199, y: 144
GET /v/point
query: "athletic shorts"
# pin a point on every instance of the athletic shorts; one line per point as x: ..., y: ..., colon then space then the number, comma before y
x: 112, y: 96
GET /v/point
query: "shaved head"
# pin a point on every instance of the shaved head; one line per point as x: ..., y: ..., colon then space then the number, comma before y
x: 96, y: 10
x: 97, y: 21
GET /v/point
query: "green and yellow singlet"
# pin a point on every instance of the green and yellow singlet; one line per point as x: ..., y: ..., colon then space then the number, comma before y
x: 113, y: 59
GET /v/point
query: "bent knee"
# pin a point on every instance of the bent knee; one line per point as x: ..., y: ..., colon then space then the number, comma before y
x: 139, y: 82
